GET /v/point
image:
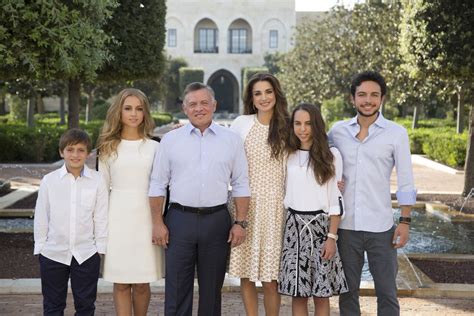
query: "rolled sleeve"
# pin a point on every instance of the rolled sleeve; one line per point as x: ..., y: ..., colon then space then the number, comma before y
x: 160, y: 173
x: 336, y: 202
x: 406, y: 193
x: 239, y: 177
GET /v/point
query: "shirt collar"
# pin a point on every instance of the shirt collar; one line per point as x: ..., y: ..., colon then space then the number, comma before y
x: 86, y: 171
x: 190, y: 128
x: 63, y: 171
x: 380, y: 121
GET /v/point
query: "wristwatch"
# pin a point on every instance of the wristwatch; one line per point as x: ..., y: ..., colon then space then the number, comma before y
x: 333, y: 236
x: 244, y: 224
x: 404, y: 220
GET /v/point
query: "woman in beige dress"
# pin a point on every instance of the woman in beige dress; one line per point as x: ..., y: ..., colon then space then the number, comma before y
x: 264, y: 130
x: 126, y: 158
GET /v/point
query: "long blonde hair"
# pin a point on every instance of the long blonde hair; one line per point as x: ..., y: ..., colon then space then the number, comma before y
x: 109, y: 138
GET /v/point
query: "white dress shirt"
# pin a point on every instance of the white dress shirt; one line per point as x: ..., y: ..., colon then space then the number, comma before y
x: 71, y: 216
x: 304, y: 193
x: 368, y: 165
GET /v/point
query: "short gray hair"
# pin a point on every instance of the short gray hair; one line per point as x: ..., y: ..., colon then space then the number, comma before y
x: 195, y: 86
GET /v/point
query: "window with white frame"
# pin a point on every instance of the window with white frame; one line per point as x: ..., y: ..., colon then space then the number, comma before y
x: 238, y: 41
x: 273, y: 41
x: 207, y: 40
x: 172, y: 40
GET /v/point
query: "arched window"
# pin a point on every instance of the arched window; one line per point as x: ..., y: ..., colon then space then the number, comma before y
x: 240, y: 37
x: 206, y: 37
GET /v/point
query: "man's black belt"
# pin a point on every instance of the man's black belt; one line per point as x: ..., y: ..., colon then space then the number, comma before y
x: 198, y: 210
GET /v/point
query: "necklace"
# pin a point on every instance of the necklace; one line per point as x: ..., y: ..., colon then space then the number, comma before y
x: 302, y: 161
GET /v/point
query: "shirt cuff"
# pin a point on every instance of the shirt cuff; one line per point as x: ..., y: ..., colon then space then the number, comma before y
x: 240, y: 192
x: 336, y: 210
x: 155, y: 192
x: 101, y: 248
x: 37, y: 249
x: 406, y: 198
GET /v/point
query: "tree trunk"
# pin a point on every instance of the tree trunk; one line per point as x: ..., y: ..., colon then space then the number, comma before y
x: 469, y: 166
x: 416, y: 115
x: 3, y: 103
x: 90, y: 103
x: 39, y: 104
x: 30, y: 112
x: 74, y: 96
x: 62, y: 109
x: 460, y: 114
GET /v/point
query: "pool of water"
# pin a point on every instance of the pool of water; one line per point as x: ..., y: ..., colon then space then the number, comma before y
x: 430, y: 234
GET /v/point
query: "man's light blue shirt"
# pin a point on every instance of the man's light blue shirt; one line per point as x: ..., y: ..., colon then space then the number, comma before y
x: 367, y: 168
x: 199, y: 167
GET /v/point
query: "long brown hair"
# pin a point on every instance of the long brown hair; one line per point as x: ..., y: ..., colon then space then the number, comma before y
x: 109, y: 138
x: 320, y: 156
x: 278, y: 131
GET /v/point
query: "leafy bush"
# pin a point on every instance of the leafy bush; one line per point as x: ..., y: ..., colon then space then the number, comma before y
x: 448, y: 148
x: 37, y: 144
x: 99, y: 110
x: 162, y: 118
x: 334, y: 109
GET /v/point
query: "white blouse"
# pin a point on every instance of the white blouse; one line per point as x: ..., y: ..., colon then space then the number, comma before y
x: 303, y: 193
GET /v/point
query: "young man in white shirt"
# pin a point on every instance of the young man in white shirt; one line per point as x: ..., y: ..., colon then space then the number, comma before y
x: 70, y: 228
x: 371, y: 146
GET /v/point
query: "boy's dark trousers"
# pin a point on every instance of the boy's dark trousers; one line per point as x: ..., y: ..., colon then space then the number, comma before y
x: 54, y: 283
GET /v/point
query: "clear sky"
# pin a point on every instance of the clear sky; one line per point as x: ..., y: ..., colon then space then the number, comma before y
x: 321, y: 5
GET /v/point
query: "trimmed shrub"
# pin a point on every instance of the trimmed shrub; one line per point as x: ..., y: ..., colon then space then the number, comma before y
x: 37, y: 144
x: 188, y: 75
x: 248, y: 72
x: 162, y: 118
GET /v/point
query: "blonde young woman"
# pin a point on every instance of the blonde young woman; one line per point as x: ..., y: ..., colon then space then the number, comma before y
x: 125, y: 160
x: 264, y: 130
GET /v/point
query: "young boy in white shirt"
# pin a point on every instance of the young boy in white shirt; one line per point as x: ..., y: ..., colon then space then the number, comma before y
x: 70, y: 228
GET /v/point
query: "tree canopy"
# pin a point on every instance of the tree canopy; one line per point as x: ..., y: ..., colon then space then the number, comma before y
x: 138, y: 30
x: 437, y: 41
x: 343, y: 42
x: 54, y: 40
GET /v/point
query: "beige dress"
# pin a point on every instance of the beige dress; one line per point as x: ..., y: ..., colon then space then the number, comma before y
x: 258, y: 258
x: 131, y: 257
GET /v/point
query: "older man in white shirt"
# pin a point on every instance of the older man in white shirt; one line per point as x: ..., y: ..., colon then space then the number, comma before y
x: 371, y: 146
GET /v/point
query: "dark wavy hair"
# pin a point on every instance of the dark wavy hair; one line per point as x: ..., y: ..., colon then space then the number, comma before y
x: 320, y: 156
x: 278, y: 133
x: 359, y: 78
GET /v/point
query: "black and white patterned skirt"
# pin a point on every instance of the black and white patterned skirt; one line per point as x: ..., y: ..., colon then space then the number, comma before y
x: 303, y: 273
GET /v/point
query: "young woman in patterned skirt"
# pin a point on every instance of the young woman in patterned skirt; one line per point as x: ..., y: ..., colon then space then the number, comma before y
x: 310, y: 263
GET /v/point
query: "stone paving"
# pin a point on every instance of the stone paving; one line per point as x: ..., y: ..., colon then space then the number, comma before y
x: 232, y: 305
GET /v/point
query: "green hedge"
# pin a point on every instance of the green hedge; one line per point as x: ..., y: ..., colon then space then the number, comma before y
x: 162, y: 118
x: 448, y: 148
x: 37, y: 144
x: 188, y: 75
x: 40, y: 143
